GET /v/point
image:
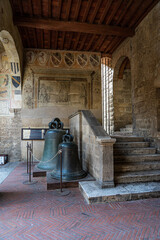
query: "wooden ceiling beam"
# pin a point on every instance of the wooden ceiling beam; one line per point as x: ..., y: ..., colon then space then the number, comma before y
x: 82, y: 43
x: 90, y: 42
x: 77, y: 41
x: 50, y: 24
x: 142, y: 9
x: 77, y: 9
x: 146, y: 12
x: 49, y: 8
x: 59, y: 10
x: 68, y: 9
x: 108, y: 4
x: 124, y: 11
x: 99, y: 42
x: 95, y: 11
x: 87, y: 11
x: 113, y: 12
x: 20, y: 7
x: 31, y: 8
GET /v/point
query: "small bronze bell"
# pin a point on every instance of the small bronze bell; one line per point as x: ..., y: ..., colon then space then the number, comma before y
x: 53, y: 138
x: 71, y: 167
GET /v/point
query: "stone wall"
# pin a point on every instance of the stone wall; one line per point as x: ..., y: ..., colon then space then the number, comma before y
x: 56, y: 84
x: 10, y: 136
x: 95, y: 147
x: 158, y: 109
x: 122, y: 100
x: 143, y: 51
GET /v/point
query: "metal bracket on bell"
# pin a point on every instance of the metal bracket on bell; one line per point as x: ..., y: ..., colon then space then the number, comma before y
x: 56, y: 124
x: 68, y: 137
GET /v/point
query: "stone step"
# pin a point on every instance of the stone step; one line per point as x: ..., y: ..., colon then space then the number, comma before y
x: 129, y: 126
x: 128, y: 138
x: 130, y: 151
x: 121, y: 192
x: 121, y: 134
x: 137, y: 158
x: 126, y: 130
x: 138, y: 176
x: 131, y: 144
x: 131, y: 167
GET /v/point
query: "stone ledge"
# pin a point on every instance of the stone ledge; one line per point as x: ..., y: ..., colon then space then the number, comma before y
x: 74, y: 114
x: 122, y: 192
x: 105, y: 140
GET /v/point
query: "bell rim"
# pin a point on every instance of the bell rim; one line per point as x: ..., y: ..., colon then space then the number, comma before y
x: 75, y: 176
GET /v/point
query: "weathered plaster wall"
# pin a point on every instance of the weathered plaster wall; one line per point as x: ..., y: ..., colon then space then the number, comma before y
x: 57, y: 84
x: 143, y: 51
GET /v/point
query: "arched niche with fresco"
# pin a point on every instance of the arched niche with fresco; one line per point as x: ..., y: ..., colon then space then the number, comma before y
x: 10, y: 75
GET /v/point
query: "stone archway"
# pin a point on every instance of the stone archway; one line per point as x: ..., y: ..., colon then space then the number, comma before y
x: 10, y: 71
x: 10, y: 98
x: 122, y: 95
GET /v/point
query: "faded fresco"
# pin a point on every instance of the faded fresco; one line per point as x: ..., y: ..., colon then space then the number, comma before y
x: 63, y: 59
x: 10, y: 85
x: 61, y: 92
x: 58, y: 83
x: 4, y: 87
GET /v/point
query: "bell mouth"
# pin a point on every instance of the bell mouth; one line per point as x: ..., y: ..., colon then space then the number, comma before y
x: 48, y: 167
x: 68, y: 176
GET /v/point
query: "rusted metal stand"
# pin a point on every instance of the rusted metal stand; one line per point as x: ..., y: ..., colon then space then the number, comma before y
x: 26, y: 173
x: 29, y: 169
x: 62, y: 192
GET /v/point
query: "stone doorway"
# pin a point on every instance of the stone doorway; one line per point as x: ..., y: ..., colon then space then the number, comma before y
x: 122, y: 96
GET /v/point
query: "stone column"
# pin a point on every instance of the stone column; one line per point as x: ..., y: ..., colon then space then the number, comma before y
x: 107, y: 161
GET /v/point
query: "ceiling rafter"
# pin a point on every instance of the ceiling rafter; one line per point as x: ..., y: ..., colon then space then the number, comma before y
x: 79, y: 2
x: 124, y: 12
x: 113, y: 12
x: 67, y: 16
x: 109, y: 2
x: 146, y: 12
x: 144, y: 5
x: 95, y: 11
x: 83, y: 20
x: 87, y: 11
x: 20, y: 7
x: 31, y: 8
x: 90, y: 42
x: 86, y: 25
x: 49, y: 8
x: 50, y: 24
x: 76, y: 17
x: 82, y: 43
x: 59, y: 10
x: 132, y: 12
x: 77, y: 41
x: 99, y: 42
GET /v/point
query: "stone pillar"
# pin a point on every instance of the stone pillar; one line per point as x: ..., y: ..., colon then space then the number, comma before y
x: 107, y: 161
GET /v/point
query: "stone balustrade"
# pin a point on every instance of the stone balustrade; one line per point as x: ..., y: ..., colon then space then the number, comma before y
x: 95, y: 147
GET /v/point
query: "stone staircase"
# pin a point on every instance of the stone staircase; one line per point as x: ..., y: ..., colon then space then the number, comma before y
x: 135, y: 161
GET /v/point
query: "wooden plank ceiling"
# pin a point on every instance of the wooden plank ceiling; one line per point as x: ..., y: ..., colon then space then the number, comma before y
x: 78, y: 25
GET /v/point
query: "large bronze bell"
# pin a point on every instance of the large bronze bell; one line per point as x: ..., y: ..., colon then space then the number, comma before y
x: 71, y: 166
x: 53, y: 138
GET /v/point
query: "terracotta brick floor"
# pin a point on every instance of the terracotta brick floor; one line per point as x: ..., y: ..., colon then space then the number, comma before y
x: 32, y: 212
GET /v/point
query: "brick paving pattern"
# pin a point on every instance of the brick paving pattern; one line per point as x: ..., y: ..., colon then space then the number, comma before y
x: 32, y: 212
